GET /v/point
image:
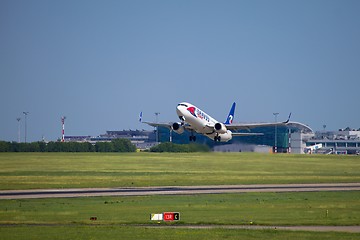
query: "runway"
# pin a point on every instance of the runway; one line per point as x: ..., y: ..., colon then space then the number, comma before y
x: 349, y: 229
x: 175, y: 190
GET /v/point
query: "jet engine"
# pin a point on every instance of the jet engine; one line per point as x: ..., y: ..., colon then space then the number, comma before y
x: 220, y: 128
x: 178, y: 127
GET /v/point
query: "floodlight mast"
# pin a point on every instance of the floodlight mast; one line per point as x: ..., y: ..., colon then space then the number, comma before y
x: 25, y: 113
x: 157, y: 128
x: 275, y: 145
x: 63, y: 128
x: 18, y: 119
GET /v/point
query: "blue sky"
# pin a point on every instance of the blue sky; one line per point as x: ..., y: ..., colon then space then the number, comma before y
x: 102, y: 62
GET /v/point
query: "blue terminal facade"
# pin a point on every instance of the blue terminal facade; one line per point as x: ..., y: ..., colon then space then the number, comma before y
x: 267, y: 139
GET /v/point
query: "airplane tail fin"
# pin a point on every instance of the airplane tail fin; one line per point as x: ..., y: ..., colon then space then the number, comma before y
x: 230, y: 117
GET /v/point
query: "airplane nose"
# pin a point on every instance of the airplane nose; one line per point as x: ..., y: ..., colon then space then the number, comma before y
x: 180, y: 112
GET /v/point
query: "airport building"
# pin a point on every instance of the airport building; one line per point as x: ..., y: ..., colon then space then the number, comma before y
x: 142, y: 139
x: 343, y: 141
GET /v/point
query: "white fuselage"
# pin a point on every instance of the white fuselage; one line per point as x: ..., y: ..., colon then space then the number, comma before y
x: 201, y: 122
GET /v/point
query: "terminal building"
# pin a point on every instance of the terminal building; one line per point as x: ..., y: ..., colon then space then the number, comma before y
x: 343, y: 141
x: 142, y: 139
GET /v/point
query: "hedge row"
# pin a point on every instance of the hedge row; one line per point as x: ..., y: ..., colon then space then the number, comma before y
x: 172, y: 147
x: 117, y: 145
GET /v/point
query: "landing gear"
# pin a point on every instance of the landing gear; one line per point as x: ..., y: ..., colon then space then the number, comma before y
x: 192, y: 138
x: 217, y: 139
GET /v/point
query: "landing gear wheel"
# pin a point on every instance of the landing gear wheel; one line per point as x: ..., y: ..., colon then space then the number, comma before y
x: 192, y: 138
x: 217, y: 138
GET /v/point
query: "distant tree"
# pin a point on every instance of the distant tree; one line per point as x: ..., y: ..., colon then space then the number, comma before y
x: 119, y: 145
x: 33, y: 147
x: 104, y: 147
x: 172, y: 147
x: 123, y: 145
x: 24, y: 147
x: 5, y: 146
x: 14, y: 147
x: 42, y: 146
x: 90, y: 147
x: 54, y: 147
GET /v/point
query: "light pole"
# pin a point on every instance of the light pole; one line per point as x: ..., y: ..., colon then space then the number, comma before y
x: 157, y: 127
x: 275, y: 145
x: 63, y: 128
x: 25, y: 113
x: 18, y: 119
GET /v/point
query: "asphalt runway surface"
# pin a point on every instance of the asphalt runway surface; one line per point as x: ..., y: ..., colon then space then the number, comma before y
x: 175, y: 190
x: 348, y: 229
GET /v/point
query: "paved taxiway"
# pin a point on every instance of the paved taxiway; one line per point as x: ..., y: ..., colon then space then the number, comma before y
x: 349, y: 229
x: 175, y: 190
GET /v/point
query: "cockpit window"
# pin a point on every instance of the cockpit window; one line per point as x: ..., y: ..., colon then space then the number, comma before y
x: 181, y: 104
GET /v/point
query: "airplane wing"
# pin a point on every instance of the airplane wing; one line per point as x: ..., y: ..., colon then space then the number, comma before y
x: 248, y: 126
x: 167, y: 125
x: 287, y: 123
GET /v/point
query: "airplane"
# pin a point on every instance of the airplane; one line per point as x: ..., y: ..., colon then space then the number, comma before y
x: 193, y: 119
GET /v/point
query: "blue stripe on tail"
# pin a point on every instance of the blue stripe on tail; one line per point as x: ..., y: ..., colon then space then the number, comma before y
x: 230, y: 117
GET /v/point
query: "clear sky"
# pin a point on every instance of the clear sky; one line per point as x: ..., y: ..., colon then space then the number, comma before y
x: 100, y: 63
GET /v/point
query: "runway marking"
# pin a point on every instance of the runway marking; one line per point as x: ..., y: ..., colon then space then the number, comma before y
x: 175, y: 190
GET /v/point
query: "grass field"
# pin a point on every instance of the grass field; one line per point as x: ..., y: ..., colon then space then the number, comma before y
x: 72, y: 170
x: 314, y: 208
x: 62, y: 218
x: 136, y: 233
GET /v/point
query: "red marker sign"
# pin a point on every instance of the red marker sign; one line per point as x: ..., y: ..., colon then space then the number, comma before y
x: 168, y: 216
x: 171, y: 216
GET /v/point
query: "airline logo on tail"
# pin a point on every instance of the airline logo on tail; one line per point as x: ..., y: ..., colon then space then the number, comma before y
x: 230, y: 117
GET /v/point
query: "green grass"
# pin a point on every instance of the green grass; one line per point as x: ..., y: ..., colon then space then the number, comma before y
x: 222, y: 209
x: 126, y: 232
x: 68, y: 218
x: 72, y: 170
x: 64, y: 218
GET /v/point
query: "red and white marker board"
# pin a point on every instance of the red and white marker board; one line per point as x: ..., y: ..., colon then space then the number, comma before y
x: 166, y: 216
x: 171, y: 216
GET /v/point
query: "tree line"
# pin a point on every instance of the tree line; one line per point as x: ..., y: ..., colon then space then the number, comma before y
x: 173, y: 147
x: 116, y: 145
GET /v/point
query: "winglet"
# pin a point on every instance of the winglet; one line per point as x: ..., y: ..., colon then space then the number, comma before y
x: 288, y: 119
x: 140, y: 117
x: 230, y: 117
